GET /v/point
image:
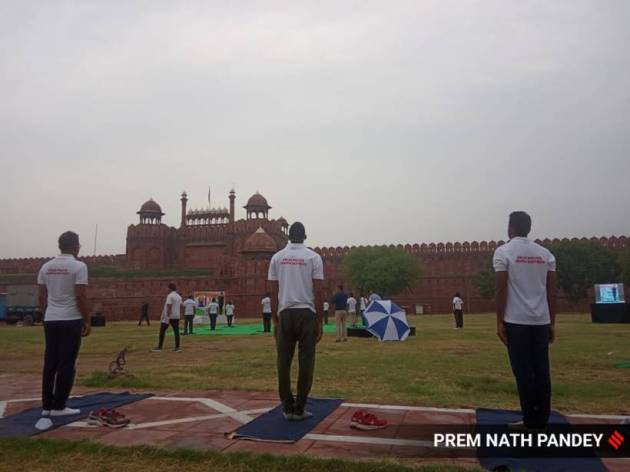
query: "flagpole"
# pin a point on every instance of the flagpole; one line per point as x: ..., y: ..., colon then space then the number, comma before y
x: 95, y: 236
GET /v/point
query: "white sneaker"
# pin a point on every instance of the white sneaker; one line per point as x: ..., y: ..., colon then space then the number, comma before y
x: 45, y: 412
x: 43, y: 424
x: 65, y: 412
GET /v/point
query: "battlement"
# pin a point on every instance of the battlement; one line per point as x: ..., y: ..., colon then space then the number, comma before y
x: 31, y: 265
x: 612, y: 242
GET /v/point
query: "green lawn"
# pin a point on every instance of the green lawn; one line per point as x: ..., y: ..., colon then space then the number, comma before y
x: 72, y: 456
x: 438, y: 367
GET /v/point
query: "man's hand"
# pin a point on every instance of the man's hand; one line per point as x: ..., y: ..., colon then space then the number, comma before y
x: 552, y: 333
x: 86, y: 329
x: 501, y: 332
x: 320, y: 331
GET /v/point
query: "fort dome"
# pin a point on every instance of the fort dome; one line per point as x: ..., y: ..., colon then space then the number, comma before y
x: 151, y: 207
x: 257, y: 201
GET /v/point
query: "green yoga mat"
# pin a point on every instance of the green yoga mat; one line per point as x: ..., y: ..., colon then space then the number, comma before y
x: 237, y: 330
x: 623, y: 365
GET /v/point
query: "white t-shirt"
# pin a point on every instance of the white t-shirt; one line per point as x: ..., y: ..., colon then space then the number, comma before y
x: 189, y: 307
x: 527, y: 265
x: 60, y: 275
x: 362, y: 303
x: 266, y: 305
x: 352, y: 305
x: 326, y: 306
x: 457, y: 303
x: 229, y: 310
x: 295, y: 267
x: 213, y: 308
x: 175, y: 300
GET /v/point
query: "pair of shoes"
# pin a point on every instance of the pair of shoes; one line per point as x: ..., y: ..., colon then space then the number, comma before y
x: 65, y: 412
x: 300, y: 416
x: 178, y: 349
x: 367, y: 421
x: 45, y: 412
x: 108, y: 417
x: 156, y: 349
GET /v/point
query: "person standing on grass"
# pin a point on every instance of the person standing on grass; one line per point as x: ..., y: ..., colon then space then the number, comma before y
x: 362, y: 306
x: 352, y: 310
x: 266, y: 312
x: 189, y: 314
x: 340, y: 300
x: 229, y: 314
x: 170, y: 317
x: 221, y: 302
x: 526, y: 316
x: 213, y: 312
x: 326, y: 309
x: 458, y: 312
x: 62, y: 285
x: 144, y: 313
x: 296, y: 274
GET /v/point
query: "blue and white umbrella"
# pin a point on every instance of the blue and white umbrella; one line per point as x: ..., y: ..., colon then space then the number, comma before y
x: 386, y: 320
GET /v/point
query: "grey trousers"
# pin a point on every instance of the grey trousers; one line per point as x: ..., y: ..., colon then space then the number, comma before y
x: 296, y: 326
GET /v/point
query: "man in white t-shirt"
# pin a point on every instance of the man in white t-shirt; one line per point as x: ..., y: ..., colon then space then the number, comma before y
x: 526, y: 315
x: 170, y: 317
x: 189, y: 314
x: 326, y: 310
x: 63, y: 300
x: 213, y: 313
x: 352, y: 310
x: 363, y: 303
x: 458, y: 311
x: 296, y: 273
x: 266, y: 312
x: 229, y: 314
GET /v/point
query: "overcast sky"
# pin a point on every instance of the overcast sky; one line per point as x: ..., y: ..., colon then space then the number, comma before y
x: 370, y: 121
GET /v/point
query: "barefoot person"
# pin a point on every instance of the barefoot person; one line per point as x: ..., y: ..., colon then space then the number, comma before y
x: 170, y: 317
x: 526, y: 315
x: 62, y: 298
x: 296, y: 274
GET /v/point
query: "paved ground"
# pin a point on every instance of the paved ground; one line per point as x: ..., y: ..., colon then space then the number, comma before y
x: 200, y: 420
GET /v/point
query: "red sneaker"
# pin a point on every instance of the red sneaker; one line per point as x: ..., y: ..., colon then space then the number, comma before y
x: 367, y: 421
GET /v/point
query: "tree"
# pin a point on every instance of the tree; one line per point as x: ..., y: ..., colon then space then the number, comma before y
x: 484, y: 281
x: 581, y: 264
x: 386, y: 271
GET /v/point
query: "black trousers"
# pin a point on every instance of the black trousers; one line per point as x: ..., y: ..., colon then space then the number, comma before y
x: 229, y: 320
x: 325, y: 316
x: 144, y: 316
x: 267, y: 322
x: 528, y: 348
x: 63, y: 341
x: 296, y: 326
x: 213, y: 321
x: 459, y: 318
x: 164, y: 326
x: 188, y: 324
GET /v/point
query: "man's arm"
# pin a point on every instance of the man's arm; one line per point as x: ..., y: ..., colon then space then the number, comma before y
x: 43, y: 299
x: 500, y: 282
x: 318, y: 288
x: 80, y: 292
x: 552, y: 299
x: 273, y: 289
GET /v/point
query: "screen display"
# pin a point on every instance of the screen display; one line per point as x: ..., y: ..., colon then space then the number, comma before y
x: 609, y: 293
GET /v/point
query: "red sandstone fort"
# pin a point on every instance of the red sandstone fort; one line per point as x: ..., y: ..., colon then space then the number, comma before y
x: 233, y: 255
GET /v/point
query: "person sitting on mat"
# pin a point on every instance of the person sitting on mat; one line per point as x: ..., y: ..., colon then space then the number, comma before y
x: 296, y: 274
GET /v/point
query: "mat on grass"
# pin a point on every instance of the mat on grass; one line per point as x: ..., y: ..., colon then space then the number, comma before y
x: 488, y: 455
x: 273, y: 427
x: 23, y: 424
x: 623, y: 365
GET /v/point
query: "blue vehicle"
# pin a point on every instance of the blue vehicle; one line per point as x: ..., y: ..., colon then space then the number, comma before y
x: 3, y: 306
x: 22, y: 305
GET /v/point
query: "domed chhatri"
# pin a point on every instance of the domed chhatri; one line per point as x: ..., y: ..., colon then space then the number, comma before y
x: 260, y: 242
x: 257, y: 207
x: 150, y: 212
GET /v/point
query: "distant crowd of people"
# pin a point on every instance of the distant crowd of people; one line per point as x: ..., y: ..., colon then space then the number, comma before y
x: 526, y: 311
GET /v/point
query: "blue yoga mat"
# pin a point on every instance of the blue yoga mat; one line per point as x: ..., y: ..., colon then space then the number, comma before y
x: 23, y: 424
x: 273, y: 427
x: 534, y: 464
